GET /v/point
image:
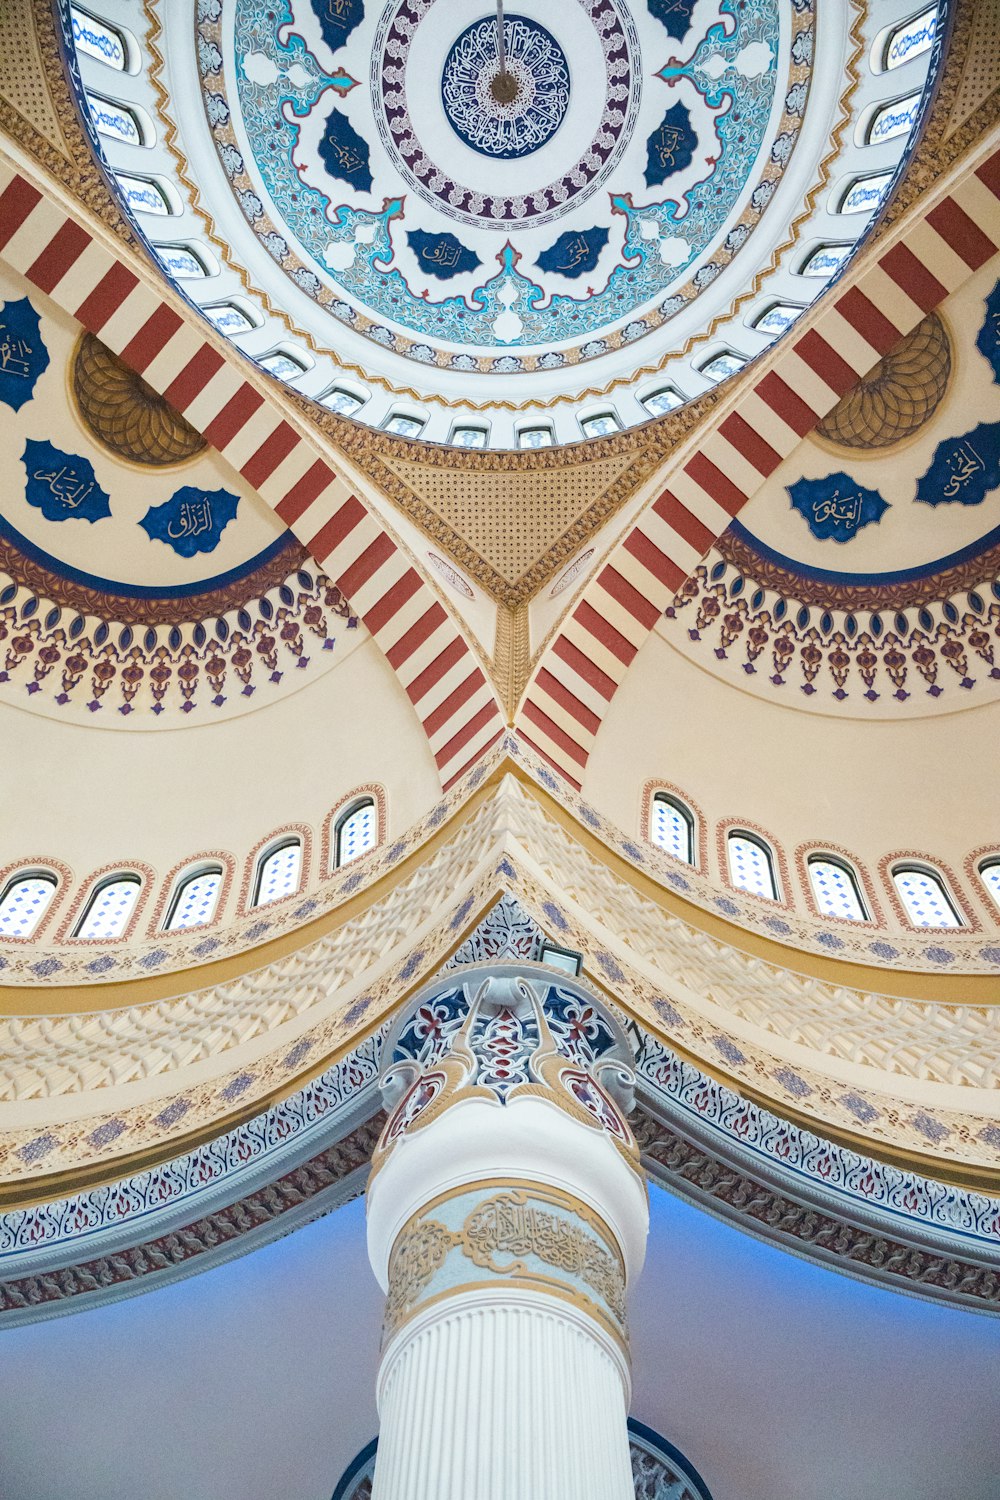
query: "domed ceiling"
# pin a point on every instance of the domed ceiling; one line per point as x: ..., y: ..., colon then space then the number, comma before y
x: 639, y: 204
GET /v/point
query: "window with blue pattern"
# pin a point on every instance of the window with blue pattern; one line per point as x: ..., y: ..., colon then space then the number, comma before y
x: 751, y: 865
x: 356, y: 832
x: 836, y: 889
x: 109, y: 908
x: 671, y: 826
x: 925, y: 897
x: 279, y: 872
x: 24, y: 902
x: 195, y: 899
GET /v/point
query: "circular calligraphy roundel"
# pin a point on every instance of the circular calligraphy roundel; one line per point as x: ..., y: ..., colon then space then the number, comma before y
x: 475, y: 102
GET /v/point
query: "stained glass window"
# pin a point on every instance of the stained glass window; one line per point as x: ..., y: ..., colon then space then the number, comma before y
x: 195, y: 899
x: 357, y: 832
x: 657, y: 403
x: 723, y: 365
x: 184, y: 262
x: 24, y: 902
x: 777, y: 318
x: 469, y: 437
x: 925, y: 897
x: 751, y: 865
x: 116, y: 121
x: 278, y: 872
x: 110, y: 907
x: 865, y: 194
x: 671, y: 825
x: 337, y: 398
x: 989, y: 872
x: 97, y: 39
x: 911, y: 39
x: 143, y: 195
x: 836, y: 889
x: 897, y: 118
x: 535, y: 437
x: 826, y: 260
x: 228, y: 318
x: 405, y: 426
x: 282, y: 365
x: 601, y: 424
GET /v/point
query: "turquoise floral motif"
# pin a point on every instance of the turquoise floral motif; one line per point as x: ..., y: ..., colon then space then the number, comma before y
x: 574, y: 253
x: 192, y: 520
x: 988, y: 342
x: 23, y: 355
x: 442, y: 255
x: 671, y: 146
x: 733, y: 74
x: 837, y: 507
x: 63, y: 486
x: 964, y: 469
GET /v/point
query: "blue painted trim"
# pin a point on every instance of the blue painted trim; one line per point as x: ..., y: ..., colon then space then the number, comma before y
x: 140, y: 590
x: 900, y: 575
x: 357, y: 1467
x: 647, y: 1435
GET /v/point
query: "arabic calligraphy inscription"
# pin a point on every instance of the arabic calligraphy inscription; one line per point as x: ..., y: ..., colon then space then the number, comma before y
x: 837, y: 507
x: 192, y: 520
x: 62, y: 486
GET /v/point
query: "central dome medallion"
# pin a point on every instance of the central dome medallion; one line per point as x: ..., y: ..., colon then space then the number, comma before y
x: 505, y: 111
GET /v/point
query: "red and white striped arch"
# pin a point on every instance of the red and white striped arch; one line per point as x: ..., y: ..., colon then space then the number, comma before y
x: 585, y: 664
x: 452, y: 696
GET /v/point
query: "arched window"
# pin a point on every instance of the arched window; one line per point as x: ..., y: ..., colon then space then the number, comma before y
x: 24, y: 902
x: 671, y: 825
x: 836, y: 888
x: 195, y: 899
x: 279, y: 871
x: 925, y: 897
x: 355, y: 831
x: 751, y: 864
x: 110, y: 45
x: 989, y: 874
x: 109, y: 907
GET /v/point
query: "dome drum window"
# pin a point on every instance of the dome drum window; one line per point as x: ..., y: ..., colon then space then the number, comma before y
x: 661, y: 400
x: 864, y: 194
x: 672, y: 827
x: 233, y: 318
x: 279, y: 872
x: 24, y: 901
x: 195, y: 899
x: 107, y: 44
x: 751, y: 865
x: 535, y: 435
x: 355, y: 831
x: 466, y: 435
x: 109, y: 908
x: 825, y: 260
x: 149, y: 195
x: 887, y: 121
x: 899, y: 45
x: 285, y: 364
x: 925, y: 897
x: 120, y: 122
x: 187, y: 262
x: 344, y: 399
x: 722, y: 365
x: 600, y: 423
x: 836, y: 889
x: 989, y: 874
x: 777, y: 318
x: 404, y: 424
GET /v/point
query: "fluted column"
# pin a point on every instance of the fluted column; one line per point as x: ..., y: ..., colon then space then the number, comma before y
x: 506, y: 1216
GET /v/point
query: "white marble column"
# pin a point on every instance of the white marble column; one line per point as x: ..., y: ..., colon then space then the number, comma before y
x: 507, y: 1215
